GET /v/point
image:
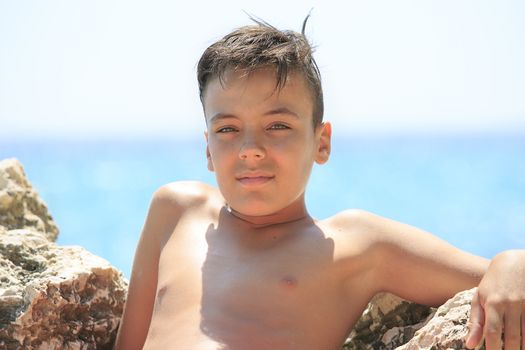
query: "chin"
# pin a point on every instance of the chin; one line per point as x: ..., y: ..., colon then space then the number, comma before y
x: 254, y: 209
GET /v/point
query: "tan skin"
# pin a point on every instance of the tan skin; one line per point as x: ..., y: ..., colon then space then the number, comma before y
x: 246, y: 266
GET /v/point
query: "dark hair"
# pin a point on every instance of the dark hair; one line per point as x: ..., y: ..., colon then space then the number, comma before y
x: 261, y: 45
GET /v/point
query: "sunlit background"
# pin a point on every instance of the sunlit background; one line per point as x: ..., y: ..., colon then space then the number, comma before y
x: 99, y: 101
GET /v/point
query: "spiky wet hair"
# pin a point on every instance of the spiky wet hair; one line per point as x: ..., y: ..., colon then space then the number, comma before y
x: 261, y: 46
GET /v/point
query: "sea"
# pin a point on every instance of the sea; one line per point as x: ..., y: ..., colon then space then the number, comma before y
x: 466, y: 189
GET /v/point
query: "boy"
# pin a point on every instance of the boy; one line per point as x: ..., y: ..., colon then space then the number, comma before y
x: 245, y: 267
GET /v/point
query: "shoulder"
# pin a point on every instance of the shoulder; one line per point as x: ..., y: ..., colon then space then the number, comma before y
x: 368, y: 231
x: 349, y: 216
x: 183, y: 195
x: 355, y: 220
x: 174, y: 200
x: 375, y: 226
x: 357, y: 241
x: 356, y: 232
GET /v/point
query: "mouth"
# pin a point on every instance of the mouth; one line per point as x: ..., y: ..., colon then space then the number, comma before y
x: 254, y: 179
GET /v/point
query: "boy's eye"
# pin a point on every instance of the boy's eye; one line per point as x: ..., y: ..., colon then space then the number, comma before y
x: 278, y: 127
x: 225, y: 129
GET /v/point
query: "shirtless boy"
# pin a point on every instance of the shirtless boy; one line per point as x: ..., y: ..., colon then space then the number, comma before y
x: 245, y: 267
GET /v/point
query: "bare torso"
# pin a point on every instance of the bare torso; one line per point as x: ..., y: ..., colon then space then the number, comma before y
x: 223, y: 284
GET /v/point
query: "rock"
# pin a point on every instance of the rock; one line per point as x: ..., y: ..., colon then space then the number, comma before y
x: 447, y: 329
x: 392, y: 323
x: 51, y: 297
x: 20, y: 205
x: 54, y: 297
x: 386, y: 323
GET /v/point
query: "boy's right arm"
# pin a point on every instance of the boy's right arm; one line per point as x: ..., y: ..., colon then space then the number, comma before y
x: 138, y: 309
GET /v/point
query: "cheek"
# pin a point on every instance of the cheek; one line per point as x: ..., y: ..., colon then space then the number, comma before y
x: 222, y: 153
x: 218, y: 148
x: 296, y: 154
x: 292, y: 143
x: 300, y: 146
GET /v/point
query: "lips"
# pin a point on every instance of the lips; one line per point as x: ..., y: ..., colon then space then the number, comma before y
x: 254, y: 179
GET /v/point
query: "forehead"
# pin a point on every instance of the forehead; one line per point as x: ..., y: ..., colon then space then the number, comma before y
x: 240, y: 91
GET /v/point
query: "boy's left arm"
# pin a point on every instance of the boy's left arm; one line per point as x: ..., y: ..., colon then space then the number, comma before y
x: 418, y: 266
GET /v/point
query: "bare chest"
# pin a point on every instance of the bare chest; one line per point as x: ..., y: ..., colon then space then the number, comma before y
x: 280, y: 294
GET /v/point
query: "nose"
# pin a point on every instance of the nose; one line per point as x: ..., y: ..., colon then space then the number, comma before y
x: 251, y: 149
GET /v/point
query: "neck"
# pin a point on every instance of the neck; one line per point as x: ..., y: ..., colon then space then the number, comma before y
x: 292, y: 213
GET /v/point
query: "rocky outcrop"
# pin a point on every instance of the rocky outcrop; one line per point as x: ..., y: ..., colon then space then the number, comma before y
x: 387, y: 323
x: 447, y: 329
x: 20, y: 205
x: 51, y: 297
x: 390, y: 323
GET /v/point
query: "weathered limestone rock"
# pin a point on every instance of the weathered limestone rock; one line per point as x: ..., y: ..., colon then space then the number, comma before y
x: 386, y: 323
x: 391, y: 323
x: 447, y: 329
x: 20, y: 205
x: 51, y: 297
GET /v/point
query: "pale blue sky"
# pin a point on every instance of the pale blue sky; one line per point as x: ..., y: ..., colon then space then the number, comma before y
x: 127, y: 68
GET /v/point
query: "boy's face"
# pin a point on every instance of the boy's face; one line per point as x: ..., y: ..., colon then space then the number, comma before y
x: 261, y: 141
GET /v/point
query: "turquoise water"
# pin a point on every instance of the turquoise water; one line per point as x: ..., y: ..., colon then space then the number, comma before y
x: 468, y: 190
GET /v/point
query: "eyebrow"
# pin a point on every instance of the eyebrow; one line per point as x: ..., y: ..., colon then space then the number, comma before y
x: 280, y: 110
x: 220, y: 116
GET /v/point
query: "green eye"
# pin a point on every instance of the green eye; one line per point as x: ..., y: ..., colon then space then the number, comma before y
x: 226, y: 129
x: 279, y: 127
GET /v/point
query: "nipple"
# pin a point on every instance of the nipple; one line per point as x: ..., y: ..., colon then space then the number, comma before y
x: 289, y: 282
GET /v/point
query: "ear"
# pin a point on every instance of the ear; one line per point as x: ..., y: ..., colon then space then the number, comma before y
x: 324, y: 146
x: 208, y: 155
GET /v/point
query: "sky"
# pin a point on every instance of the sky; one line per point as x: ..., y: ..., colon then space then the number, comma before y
x: 111, y: 69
